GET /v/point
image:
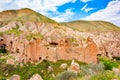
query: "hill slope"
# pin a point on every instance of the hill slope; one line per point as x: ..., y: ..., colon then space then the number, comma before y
x: 27, y: 14
x: 24, y: 14
x: 90, y: 26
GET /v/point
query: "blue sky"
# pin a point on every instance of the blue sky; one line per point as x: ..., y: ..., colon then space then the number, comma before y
x: 69, y: 10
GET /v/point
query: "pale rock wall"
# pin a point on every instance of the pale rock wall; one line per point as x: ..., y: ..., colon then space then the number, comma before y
x: 37, y: 50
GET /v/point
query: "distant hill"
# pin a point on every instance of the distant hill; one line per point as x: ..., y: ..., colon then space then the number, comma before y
x: 24, y: 14
x: 90, y: 26
x: 27, y: 14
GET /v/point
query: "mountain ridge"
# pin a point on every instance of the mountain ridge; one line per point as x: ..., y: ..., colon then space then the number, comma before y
x: 84, y: 26
x: 24, y: 14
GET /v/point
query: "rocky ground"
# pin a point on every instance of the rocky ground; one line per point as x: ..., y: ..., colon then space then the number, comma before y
x: 106, y: 69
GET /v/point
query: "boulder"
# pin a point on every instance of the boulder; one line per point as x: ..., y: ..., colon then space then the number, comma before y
x: 36, y: 77
x: 50, y: 68
x: 10, y: 61
x: 116, y: 70
x: 114, y: 79
x: 15, y: 77
x: 63, y: 66
x: 74, y: 67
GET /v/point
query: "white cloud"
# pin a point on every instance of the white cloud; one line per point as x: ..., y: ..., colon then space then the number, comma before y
x: 85, y: 1
x: 5, y: 1
x: 73, y: 1
x: 86, y: 9
x: 62, y: 17
x: 83, y: 8
x: 110, y: 13
x: 3, y: 4
x: 42, y: 6
x: 38, y: 5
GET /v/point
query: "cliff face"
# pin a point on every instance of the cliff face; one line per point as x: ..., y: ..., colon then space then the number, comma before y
x: 108, y: 43
x: 34, y: 41
x: 38, y: 50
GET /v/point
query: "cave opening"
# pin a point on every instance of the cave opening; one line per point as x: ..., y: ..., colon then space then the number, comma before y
x: 54, y: 43
x: 3, y: 48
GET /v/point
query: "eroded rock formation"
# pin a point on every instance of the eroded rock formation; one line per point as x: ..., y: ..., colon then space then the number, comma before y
x: 59, y: 42
x: 38, y: 50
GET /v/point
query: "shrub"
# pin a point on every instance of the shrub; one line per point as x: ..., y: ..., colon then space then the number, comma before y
x: 67, y: 75
x: 105, y: 75
x: 34, y: 36
x: 109, y: 64
x: 91, y: 69
x: 3, y: 79
x: 3, y: 50
x: 6, y: 68
x: 14, y: 31
x: 116, y: 58
x: 26, y: 71
x: 1, y: 33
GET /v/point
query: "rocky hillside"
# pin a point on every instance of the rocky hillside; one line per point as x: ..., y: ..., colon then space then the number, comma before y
x: 31, y: 37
